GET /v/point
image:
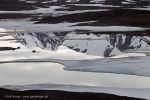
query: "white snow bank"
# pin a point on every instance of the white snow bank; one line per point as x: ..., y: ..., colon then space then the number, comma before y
x: 129, y: 66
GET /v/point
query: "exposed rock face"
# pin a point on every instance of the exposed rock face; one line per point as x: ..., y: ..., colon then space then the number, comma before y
x: 106, y: 45
x: 110, y: 45
x: 42, y: 40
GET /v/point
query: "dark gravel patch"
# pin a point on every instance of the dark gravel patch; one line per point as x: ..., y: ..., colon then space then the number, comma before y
x: 15, y: 16
x: 131, y: 33
x: 6, y: 94
x: 123, y: 17
x: 15, y: 5
x: 18, y: 5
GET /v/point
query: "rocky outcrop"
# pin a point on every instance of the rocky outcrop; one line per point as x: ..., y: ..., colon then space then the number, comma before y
x: 106, y: 45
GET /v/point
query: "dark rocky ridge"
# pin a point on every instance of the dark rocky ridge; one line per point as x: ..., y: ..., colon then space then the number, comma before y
x: 15, y: 5
x: 117, y: 16
x: 120, y: 42
x: 123, y: 17
x: 15, y: 16
x: 8, y: 48
x: 6, y: 94
x: 18, y: 5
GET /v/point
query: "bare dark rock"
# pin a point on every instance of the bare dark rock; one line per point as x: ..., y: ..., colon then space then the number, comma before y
x: 33, y: 51
x: 8, y: 48
x: 123, y: 17
x: 58, y: 95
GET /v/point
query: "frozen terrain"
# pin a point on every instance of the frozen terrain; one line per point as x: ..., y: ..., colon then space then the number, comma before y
x: 102, y: 43
x: 130, y: 92
x: 129, y: 66
x: 105, y: 45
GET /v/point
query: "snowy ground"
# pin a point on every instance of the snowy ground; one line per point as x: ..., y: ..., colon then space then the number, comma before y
x: 135, y: 62
x: 129, y: 66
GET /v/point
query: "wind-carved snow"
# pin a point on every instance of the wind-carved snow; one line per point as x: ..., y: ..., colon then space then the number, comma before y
x: 130, y: 66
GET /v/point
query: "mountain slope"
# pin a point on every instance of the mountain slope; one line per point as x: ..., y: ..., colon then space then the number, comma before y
x: 106, y: 45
